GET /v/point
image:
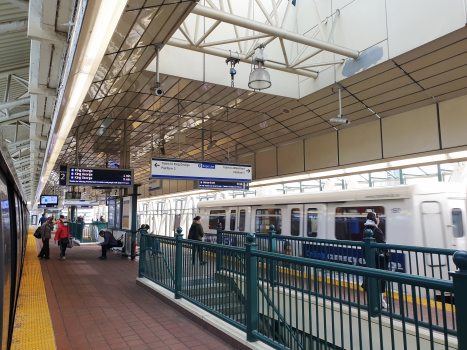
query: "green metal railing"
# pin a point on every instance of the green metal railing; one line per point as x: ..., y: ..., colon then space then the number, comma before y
x: 420, y: 261
x: 299, y: 303
x: 86, y: 233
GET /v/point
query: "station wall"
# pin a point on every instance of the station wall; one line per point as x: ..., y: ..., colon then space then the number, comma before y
x: 411, y: 133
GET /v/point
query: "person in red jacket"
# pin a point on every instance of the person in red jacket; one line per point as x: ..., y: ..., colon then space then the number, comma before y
x: 63, y: 236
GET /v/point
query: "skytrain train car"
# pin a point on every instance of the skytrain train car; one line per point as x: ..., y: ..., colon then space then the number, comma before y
x: 431, y: 215
x: 14, y: 221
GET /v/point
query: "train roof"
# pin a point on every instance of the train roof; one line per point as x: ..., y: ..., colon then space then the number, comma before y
x: 457, y: 190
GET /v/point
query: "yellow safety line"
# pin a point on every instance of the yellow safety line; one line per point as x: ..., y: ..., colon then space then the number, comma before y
x: 33, y: 326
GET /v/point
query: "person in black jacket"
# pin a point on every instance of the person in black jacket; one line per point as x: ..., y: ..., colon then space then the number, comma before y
x: 196, y: 233
x: 381, y: 255
x: 109, y: 242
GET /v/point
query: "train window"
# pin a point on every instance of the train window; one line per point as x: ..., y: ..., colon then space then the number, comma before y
x: 350, y: 222
x: 215, y: 217
x: 295, y: 222
x: 267, y: 217
x: 312, y: 222
x: 241, y: 222
x: 457, y: 223
x: 233, y: 216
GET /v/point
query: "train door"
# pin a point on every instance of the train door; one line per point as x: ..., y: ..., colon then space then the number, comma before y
x: 434, y: 234
x: 232, y: 219
x: 293, y: 219
x: 244, y: 219
x: 314, y: 220
x: 456, y: 225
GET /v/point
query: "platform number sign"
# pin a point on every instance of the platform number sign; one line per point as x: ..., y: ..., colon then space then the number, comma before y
x: 62, y: 179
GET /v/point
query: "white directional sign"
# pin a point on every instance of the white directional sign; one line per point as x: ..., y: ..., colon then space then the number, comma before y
x: 193, y: 170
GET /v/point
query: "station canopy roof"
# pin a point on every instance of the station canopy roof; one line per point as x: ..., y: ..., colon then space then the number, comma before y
x: 200, y: 103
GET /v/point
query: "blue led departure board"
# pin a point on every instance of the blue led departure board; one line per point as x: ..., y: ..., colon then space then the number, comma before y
x: 100, y: 177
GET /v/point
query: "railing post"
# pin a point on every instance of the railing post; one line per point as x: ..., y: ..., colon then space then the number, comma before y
x: 371, y: 283
x: 178, y: 263
x: 272, y: 249
x: 142, y: 255
x: 459, y: 279
x: 251, y: 307
x: 218, y: 241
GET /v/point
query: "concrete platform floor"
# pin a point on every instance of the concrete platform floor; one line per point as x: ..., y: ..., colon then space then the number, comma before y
x: 96, y: 305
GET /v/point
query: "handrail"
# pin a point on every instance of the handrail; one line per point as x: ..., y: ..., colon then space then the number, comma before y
x: 419, y: 281
x: 442, y: 251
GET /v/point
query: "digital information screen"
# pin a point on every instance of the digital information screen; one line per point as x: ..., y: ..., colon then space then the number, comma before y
x: 100, y: 177
x: 49, y: 200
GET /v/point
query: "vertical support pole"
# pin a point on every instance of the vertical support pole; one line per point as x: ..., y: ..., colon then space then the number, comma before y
x: 369, y: 180
x: 401, y: 176
x: 178, y: 263
x: 372, y: 286
x: 320, y: 185
x: 440, y: 175
x: 219, y: 241
x: 459, y: 279
x: 251, y: 274
x: 272, y: 263
x: 202, y: 138
x: 343, y: 184
x: 134, y: 209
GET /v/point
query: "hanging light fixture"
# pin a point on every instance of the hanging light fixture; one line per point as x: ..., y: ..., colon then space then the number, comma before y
x: 259, y: 76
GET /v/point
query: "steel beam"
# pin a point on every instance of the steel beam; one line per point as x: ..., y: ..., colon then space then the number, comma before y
x: 13, y: 26
x: 226, y: 54
x: 273, y: 31
x: 15, y: 117
x: 15, y: 103
x: 37, y: 30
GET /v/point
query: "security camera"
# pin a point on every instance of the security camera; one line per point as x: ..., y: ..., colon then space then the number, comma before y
x: 157, y: 91
x: 340, y: 119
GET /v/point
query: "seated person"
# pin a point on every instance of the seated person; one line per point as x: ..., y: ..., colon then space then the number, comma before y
x: 109, y: 242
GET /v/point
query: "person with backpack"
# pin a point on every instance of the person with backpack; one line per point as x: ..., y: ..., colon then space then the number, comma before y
x: 109, y: 242
x: 46, y: 234
x: 196, y: 233
x: 381, y: 255
x: 63, y: 236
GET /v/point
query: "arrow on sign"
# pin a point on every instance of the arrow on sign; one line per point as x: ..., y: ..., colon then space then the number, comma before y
x: 156, y: 165
x: 248, y: 170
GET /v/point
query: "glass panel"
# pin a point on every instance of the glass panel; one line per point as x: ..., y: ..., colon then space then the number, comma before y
x: 458, y: 226
x: 268, y: 212
x: 241, y: 223
x: 233, y: 216
x: 216, y: 216
x: 295, y: 222
x: 350, y: 222
x: 312, y: 222
x: 262, y: 224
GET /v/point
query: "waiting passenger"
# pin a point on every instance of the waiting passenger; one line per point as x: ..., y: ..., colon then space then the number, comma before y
x: 196, y: 233
x: 43, y: 219
x: 101, y: 219
x: 46, y: 234
x: 381, y: 255
x: 63, y: 236
x: 109, y: 242
x: 60, y: 221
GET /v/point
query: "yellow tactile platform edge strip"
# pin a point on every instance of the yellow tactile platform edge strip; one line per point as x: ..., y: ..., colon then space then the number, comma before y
x: 33, y: 326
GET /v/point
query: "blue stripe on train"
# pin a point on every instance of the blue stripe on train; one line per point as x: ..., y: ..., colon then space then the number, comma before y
x: 343, y: 255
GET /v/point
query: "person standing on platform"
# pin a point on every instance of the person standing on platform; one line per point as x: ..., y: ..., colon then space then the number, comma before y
x: 63, y: 236
x: 109, y: 242
x: 43, y: 219
x: 381, y: 255
x: 46, y: 234
x: 60, y: 221
x: 196, y: 233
